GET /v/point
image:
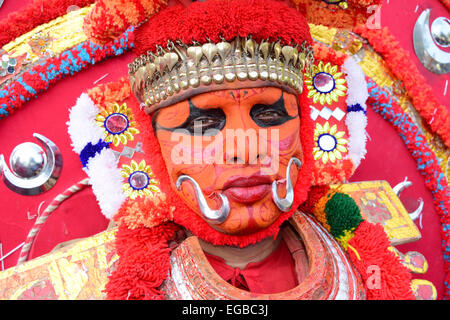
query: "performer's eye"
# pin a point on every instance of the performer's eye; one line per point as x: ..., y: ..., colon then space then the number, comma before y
x: 206, y: 124
x: 268, y: 118
x: 200, y: 121
x: 270, y: 115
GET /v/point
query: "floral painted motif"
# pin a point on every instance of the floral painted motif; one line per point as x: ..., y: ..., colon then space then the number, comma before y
x: 40, y: 43
x: 326, y: 84
x: 118, y: 124
x: 330, y: 143
x: 140, y: 180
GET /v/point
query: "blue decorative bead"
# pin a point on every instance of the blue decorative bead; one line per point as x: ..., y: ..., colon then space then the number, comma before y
x: 356, y: 108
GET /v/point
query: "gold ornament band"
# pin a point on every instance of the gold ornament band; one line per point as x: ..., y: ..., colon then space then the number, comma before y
x: 156, y: 77
x: 52, y: 38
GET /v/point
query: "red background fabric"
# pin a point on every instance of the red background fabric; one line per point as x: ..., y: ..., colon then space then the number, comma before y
x: 79, y: 216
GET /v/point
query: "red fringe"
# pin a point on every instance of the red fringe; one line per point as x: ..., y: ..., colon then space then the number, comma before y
x: 37, y: 12
x: 144, y: 262
x: 314, y: 195
x: 398, y: 60
x: 145, y: 211
x: 201, y: 21
x: 394, y: 281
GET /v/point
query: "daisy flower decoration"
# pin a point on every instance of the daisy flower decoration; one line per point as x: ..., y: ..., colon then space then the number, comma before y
x: 330, y: 144
x: 139, y: 180
x: 117, y: 120
x: 325, y: 84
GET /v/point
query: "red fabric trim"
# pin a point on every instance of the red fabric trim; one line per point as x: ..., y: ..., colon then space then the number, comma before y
x: 34, y: 14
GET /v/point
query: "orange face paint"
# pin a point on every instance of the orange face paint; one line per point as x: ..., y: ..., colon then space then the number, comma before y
x: 235, y: 142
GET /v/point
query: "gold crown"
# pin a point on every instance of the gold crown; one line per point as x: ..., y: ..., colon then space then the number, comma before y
x: 156, y: 77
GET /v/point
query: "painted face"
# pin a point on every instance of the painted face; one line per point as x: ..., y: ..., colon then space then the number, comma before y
x: 233, y: 142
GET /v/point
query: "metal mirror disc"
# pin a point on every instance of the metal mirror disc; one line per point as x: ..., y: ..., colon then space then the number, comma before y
x: 440, y: 30
x: 27, y: 160
x: 116, y: 123
x: 323, y: 82
x: 138, y: 180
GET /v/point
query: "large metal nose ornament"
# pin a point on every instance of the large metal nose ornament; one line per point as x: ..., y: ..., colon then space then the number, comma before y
x: 285, y: 204
x: 33, y: 170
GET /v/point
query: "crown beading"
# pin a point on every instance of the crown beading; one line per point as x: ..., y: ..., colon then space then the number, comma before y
x: 156, y: 77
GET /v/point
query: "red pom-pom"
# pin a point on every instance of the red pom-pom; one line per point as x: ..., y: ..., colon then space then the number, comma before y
x: 384, y: 276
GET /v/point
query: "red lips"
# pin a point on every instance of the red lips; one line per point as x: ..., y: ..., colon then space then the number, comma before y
x: 247, y: 189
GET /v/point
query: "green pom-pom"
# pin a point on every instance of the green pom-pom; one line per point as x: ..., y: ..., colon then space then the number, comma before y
x: 342, y: 214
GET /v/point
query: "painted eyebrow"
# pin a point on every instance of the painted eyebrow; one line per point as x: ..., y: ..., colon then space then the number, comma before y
x: 194, y: 112
x: 278, y: 105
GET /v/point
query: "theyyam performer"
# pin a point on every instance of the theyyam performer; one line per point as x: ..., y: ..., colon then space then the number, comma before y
x: 248, y: 132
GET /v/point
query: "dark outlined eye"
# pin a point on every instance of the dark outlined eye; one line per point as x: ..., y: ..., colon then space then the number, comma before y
x: 268, y: 118
x: 270, y: 115
x: 201, y: 121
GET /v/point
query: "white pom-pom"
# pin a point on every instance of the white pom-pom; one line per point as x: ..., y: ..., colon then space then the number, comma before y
x: 81, y: 125
x: 106, y: 181
x: 356, y: 124
x: 357, y: 92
